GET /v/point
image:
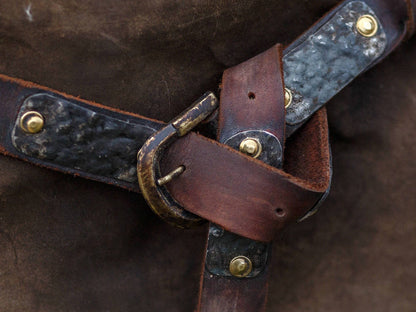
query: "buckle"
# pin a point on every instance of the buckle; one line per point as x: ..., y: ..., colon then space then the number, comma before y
x: 148, y: 171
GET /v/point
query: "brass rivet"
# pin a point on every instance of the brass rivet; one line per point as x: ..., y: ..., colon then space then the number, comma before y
x: 31, y: 122
x: 288, y: 97
x: 251, y: 147
x: 367, y: 25
x: 240, y: 266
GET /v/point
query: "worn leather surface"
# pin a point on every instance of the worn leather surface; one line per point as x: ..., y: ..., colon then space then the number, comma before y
x: 246, y: 196
x: 69, y: 244
x: 252, y: 98
x: 251, y: 198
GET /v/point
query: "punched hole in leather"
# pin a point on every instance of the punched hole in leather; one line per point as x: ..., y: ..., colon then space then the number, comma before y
x: 252, y: 122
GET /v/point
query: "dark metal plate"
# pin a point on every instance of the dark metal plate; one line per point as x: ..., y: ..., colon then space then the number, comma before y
x: 80, y: 138
x: 329, y: 59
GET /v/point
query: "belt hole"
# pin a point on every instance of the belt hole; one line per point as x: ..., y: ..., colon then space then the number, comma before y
x: 251, y: 96
x: 280, y: 212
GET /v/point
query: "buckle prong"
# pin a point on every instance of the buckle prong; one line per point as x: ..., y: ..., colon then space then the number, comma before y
x: 171, y: 175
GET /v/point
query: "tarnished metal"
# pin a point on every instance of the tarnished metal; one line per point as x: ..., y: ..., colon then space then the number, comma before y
x: 240, y: 266
x: 148, y: 171
x: 251, y: 147
x: 223, y: 246
x: 321, y: 65
x: 197, y: 113
x: 171, y: 175
x: 81, y: 138
x: 271, y: 149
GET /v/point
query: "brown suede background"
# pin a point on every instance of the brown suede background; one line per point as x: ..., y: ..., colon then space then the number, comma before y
x: 67, y: 244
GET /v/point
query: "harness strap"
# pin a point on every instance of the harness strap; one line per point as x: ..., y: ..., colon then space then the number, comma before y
x: 251, y: 119
x: 240, y: 194
x: 88, y: 140
x: 106, y: 151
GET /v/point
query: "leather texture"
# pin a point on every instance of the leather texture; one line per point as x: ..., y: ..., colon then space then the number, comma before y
x: 65, y: 246
x: 252, y: 98
x: 82, y: 138
x: 237, y: 181
x: 249, y: 191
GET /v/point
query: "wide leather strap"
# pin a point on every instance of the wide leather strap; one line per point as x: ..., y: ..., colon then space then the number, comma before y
x: 212, y: 168
x: 252, y: 97
x: 241, y: 194
x: 112, y: 160
x: 252, y: 194
x: 79, y: 137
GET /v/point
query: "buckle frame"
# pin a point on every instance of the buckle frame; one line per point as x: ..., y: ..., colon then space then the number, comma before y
x: 148, y: 170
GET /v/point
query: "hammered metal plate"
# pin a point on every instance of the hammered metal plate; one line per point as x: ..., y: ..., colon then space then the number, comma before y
x: 329, y: 59
x: 82, y: 139
x: 223, y: 246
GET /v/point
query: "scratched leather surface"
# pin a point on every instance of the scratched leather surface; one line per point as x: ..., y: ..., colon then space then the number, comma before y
x: 67, y: 244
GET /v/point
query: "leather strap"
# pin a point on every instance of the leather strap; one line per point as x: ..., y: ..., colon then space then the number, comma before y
x: 392, y: 15
x: 250, y: 192
x: 252, y: 96
x: 212, y: 168
x: 247, y: 189
x: 252, y: 107
x: 106, y: 152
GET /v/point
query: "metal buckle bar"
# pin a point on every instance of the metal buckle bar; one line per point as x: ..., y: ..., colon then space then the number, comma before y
x: 148, y: 171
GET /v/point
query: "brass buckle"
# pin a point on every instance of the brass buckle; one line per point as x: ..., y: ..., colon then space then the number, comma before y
x: 148, y: 170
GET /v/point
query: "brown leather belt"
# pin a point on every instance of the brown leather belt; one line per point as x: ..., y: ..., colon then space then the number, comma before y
x: 248, y: 195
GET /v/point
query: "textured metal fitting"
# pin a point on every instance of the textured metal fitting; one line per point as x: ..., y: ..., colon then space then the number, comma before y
x: 31, y: 122
x: 288, y: 97
x: 367, y: 25
x: 240, y: 266
x: 251, y: 147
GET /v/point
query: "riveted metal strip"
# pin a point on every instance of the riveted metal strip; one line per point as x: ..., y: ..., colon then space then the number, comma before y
x: 83, y: 139
x: 327, y: 60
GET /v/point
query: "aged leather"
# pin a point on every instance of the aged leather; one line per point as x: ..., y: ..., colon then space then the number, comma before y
x: 80, y: 137
x: 363, y: 244
x: 252, y: 99
x: 237, y: 181
x: 247, y: 189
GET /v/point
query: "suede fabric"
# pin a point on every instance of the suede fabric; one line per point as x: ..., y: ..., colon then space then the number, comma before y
x: 68, y: 244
